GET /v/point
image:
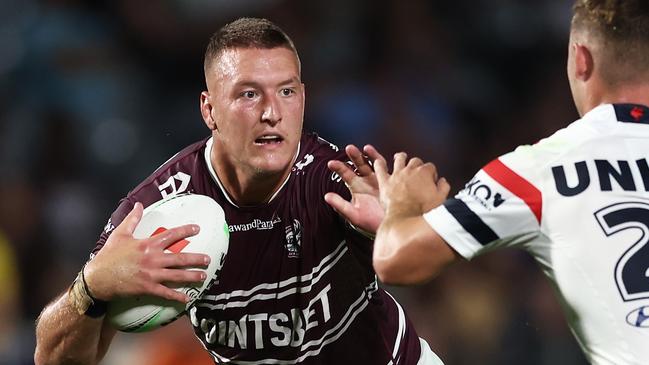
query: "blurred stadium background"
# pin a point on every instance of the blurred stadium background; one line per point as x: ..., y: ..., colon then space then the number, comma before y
x: 94, y: 95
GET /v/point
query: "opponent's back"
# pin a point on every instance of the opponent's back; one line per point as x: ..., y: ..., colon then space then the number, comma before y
x: 579, y: 202
x: 594, y: 241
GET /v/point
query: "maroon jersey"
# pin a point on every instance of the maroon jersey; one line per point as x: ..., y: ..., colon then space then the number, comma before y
x: 297, y: 285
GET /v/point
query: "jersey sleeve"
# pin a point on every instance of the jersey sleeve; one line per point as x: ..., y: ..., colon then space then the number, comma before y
x: 501, y: 206
x: 125, y: 206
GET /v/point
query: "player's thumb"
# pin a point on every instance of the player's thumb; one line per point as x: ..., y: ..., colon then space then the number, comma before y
x: 132, y: 219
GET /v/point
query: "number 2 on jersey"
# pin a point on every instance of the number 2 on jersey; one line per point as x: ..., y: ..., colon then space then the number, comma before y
x: 632, y: 268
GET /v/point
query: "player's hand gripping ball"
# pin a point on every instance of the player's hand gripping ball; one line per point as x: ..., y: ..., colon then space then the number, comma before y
x: 145, y: 313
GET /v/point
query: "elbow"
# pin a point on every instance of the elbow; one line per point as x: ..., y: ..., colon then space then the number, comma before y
x: 411, y: 262
x: 388, y: 274
x: 383, y: 261
x: 392, y: 272
x: 396, y: 268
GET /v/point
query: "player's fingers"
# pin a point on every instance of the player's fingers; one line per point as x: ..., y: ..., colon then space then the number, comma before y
x: 179, y: 276
x: 381, y: 170
x: 340, y: 205
x: 173, y: 235
x: 373, y: 154
x: 131, y: 220
x: 183, y: 260
x: 415, y: 162
x: 162, y: 291
x: 431, y: 169
x: 363, y: 168
x: 443, y: 186
x: 435, y: 173
x: 399, y: 161
x: 343, y: 170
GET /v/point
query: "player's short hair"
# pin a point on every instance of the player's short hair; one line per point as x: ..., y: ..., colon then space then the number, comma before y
x: 247, y: 33
x: 622, y: 29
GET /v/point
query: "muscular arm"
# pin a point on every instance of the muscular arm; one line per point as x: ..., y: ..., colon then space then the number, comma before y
x: 63, y: 336
x: 124, y: 267
x: 408, y: 251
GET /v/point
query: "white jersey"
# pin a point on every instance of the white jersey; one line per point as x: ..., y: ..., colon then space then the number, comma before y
x: 578, y: 201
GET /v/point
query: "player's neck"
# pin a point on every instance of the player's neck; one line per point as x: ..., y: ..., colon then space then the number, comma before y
x: 246, y: 187
x: 623, y: 94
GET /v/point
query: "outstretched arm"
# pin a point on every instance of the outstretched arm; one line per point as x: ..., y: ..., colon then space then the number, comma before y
x: 125, y: 266
x: 406, y: 249
x: 364, y: 210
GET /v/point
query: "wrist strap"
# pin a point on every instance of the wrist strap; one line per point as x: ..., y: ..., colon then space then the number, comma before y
x: 83, y: 300
x: 98, y: 307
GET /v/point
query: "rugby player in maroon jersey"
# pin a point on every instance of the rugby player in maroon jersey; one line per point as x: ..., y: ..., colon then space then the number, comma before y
x: 297, y: 285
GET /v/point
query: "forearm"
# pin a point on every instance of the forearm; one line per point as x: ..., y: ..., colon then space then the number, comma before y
x: 63, y: 336
x: 408, y: 251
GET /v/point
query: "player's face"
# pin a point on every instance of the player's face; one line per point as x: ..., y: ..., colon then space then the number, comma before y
x: 256, y: 105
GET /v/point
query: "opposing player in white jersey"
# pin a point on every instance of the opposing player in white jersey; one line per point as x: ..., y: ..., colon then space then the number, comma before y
x: 578, y: 200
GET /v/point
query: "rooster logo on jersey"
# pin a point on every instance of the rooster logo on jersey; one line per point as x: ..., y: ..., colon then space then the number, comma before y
x: 293, y: 239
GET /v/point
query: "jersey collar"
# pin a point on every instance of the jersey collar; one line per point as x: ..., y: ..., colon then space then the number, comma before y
x: 631, y: 113
x: 215, y: 177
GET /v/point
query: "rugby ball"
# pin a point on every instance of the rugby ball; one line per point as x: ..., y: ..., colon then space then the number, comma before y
x: 145, y: 313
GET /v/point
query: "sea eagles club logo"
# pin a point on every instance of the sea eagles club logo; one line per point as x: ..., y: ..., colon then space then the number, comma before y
x: 293, y: 239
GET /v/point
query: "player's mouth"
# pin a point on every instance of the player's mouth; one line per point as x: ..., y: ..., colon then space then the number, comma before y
x: 269, y: 140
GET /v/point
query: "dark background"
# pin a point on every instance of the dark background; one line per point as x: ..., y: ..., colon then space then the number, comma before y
x: 95, y: 95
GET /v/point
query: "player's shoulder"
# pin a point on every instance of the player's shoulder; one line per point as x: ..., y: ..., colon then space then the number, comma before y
x: 550, y: 149
x: 315, y: 152
x: 593, y: 128
x: 174, y: 175
x: 312, y: 143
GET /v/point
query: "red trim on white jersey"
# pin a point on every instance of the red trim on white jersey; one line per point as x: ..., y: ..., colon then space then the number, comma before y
x: 517, y: 185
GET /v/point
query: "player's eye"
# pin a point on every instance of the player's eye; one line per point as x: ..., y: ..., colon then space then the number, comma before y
x: 249, y: 94
x: 287, y: 91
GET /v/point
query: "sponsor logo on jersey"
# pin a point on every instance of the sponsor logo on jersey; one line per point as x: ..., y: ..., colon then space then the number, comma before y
x: 483, y: 194
x: 579, y: 176
x: 293, y: 239
x: 256, y: 224
x: 639, y: 317
x: 296, y: 313
x: 175, y: 184
x: 299, y: 166
x: 263, y: 330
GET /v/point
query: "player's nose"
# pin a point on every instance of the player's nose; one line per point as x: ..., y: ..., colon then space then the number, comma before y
x: 271, y: 113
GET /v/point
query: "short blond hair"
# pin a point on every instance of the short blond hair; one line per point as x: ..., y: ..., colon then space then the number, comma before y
x: 622, y: 28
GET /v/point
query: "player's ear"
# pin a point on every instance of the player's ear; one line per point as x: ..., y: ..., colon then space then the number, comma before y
x: 206, y: 111
x: 584, y: 62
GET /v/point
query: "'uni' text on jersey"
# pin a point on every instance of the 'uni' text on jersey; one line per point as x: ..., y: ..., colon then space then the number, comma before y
x: 579, y: 202
x: 297, y: 285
